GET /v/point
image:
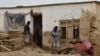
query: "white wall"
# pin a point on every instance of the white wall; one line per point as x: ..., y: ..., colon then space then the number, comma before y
x: 62, y: 12
x: 51, y: 14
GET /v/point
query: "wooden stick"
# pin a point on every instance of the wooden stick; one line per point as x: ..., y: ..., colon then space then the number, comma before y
x: 5, y: 48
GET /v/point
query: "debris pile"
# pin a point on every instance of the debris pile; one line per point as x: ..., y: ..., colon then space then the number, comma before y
x: 10, y: 44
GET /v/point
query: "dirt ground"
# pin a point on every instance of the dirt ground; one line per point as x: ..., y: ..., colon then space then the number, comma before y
x: 29, y: 50
x: 32, y: 51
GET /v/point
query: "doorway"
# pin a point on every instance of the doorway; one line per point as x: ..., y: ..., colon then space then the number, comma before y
x: 37, y: 29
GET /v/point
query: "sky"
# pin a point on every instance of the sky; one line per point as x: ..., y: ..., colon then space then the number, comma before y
x: 13, y: 3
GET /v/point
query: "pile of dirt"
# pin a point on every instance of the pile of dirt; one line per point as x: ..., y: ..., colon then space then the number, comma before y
x: 14, y: 34
x: 11, y: 41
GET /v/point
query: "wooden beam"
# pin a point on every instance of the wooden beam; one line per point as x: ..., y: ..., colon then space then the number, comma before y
x: 5, y: 48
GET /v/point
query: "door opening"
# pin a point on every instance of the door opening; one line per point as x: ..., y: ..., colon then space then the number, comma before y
x: 37, y: 25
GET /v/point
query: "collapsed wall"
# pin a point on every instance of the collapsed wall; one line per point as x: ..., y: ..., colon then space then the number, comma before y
x: 85, y: 25
x: 95, y: 36
x: 89, y: 30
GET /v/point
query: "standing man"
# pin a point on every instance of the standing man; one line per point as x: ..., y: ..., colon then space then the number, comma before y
x: 55, y: 38
x: 27, y: 33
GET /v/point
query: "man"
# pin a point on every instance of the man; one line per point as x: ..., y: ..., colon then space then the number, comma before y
x: 27, y: 32
x: 55, y: 38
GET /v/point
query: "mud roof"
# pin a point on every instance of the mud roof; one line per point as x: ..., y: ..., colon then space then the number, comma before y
x: 67, y: 3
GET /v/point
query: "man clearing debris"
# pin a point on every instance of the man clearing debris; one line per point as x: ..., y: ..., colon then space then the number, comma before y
x: 27, y: 33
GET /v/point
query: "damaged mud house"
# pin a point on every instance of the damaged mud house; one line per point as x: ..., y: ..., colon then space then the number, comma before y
x: 76, y: 19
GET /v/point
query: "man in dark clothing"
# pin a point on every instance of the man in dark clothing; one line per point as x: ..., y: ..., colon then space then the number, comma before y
x: 27, y: 28
x: 27, y: 32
